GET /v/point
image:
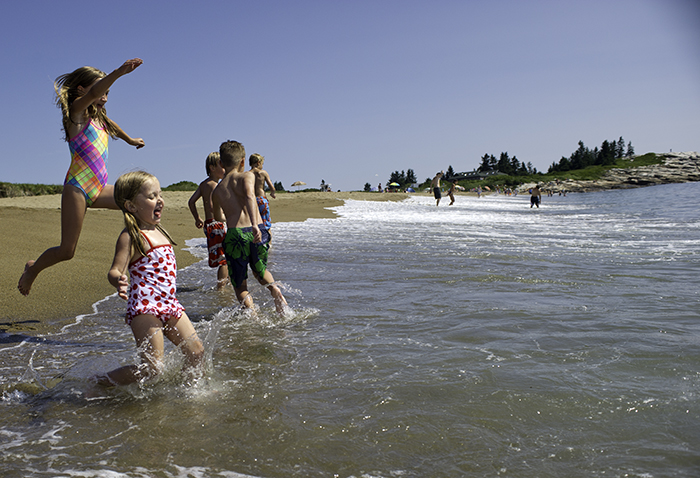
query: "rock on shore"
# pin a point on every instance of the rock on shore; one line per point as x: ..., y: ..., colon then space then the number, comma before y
x: 676, y: 168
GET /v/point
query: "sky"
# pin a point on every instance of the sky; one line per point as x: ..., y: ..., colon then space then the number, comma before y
x: 346, y: 92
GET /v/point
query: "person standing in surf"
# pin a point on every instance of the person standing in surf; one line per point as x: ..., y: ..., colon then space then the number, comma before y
x: 246, y: 242
x: 435, y: 184
x: 535, y: 197
x: 262, y: 178
x: 451, y: 192
x: 82, y: 95
x: 214, y: 223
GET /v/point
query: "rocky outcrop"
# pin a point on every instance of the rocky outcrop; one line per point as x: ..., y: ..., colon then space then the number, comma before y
x: 675, y: 168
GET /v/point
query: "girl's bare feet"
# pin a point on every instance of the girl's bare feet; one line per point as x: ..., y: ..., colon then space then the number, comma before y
x: 27, y: 279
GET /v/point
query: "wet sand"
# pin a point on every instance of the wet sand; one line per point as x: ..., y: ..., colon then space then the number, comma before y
x: 32, y: 224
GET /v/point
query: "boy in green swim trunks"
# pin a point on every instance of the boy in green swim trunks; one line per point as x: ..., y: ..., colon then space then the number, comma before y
x: 244, y: 243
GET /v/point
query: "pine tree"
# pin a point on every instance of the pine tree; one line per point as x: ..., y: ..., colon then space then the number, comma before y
x: 410, y: 177
x: 630, y: 150
x: 398, y: 178
x: 620, y: 150
x: 503, y: 164
x: 485, y: 164
x: 607, y: 153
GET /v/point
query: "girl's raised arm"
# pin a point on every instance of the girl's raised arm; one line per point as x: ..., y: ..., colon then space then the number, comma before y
x: 117, y: 273
x: 121, y: 134
x: 102, y: 85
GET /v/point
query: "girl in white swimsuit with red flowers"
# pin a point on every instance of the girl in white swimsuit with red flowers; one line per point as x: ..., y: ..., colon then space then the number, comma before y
x: 153, y: 311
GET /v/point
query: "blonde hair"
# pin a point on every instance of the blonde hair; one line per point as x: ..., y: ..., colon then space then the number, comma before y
x: 66, y: 87
x: 212, y: 161
x: 127, y: 188
x: 231, y: 153
x: 256, y: 160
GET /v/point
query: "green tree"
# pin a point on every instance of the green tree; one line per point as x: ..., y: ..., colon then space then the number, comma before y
x: 630, y: 150
x: 607, y: 153
x: 504, y: 165
x: 410, y: 177
x: 530, y: 169
x: 488, y: 163
x: 397, y: 177
x: 484, y: 166
x: 620, y: 148
x: 515, y: 167
x: 368, y: 187
x: 278, y: 186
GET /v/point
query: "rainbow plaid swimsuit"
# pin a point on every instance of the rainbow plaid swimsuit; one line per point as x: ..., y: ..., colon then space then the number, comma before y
x: 88, y: 167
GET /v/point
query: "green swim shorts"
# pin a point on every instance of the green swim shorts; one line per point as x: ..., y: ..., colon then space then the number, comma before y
x: 241, y: 250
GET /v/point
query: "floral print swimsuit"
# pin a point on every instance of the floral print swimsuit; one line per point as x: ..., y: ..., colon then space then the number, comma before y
x: 153, y: 285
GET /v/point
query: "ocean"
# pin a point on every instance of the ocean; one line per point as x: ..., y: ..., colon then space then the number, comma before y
x: 482, y: 339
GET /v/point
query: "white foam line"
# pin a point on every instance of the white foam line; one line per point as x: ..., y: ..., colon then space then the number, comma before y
x: 80, y: 318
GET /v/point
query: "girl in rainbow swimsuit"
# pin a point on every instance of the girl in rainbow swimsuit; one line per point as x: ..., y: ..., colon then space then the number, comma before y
x: 82, y: 95
x: 153, y: 311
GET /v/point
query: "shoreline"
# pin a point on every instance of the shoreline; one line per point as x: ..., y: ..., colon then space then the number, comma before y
x: 31, y: 224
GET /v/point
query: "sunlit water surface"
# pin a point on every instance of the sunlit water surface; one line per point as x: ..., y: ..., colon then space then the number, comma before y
x: 480, y: 339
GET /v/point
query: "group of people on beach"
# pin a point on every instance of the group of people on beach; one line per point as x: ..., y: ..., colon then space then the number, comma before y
x: 237, y: 225
x: 535, y: 193
x: 437, y: 191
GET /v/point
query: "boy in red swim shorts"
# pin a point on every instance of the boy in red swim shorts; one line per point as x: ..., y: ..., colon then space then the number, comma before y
x: 214, y: 223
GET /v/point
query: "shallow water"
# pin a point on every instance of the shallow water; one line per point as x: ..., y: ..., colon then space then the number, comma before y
x: 480, y: 339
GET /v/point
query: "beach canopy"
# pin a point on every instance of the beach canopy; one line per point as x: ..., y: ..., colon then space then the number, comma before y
x: 394, y: 184
x: 298, y: 183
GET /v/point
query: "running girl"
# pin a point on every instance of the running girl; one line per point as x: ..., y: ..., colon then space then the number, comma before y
x: 82, y: 95
x: 153, y: 311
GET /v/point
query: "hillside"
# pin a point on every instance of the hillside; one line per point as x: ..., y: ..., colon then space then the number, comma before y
x: 674, y: 168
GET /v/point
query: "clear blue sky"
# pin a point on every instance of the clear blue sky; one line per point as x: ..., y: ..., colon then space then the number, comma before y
x: 349, y: 91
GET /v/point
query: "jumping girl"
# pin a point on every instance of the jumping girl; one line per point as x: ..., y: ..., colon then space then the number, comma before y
x: 153, y: 311
x: 82, y: 95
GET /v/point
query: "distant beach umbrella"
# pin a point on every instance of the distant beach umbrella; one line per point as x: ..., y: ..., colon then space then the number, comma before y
x: 394, y: 184
x: 298, y: 183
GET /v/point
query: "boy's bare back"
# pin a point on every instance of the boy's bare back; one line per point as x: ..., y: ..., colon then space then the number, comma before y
x: 262, y: 178
x: 206, y: 188
x: 232, y: 194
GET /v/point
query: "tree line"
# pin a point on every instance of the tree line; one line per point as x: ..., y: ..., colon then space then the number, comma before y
x: 609, y: 152
x: 506, y: 165
x: 404, y: 179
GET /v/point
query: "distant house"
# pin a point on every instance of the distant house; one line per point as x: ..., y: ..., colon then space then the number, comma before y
x: 473, y: 175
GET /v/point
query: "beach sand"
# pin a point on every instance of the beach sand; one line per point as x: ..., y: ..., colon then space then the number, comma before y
x: 32, y: 224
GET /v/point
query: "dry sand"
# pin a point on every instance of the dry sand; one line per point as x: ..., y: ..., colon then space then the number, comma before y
x: 32, y: 224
